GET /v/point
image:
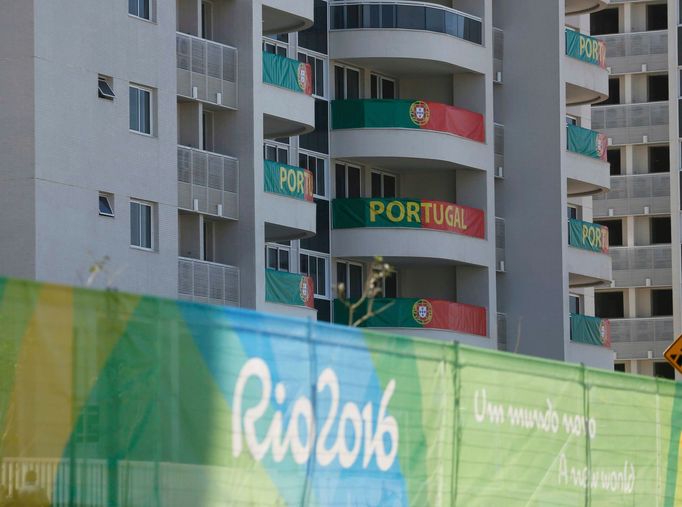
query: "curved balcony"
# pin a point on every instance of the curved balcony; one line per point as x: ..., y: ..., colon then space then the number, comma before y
x: 399, y: 134
x: 288, y: 105
x: 406, y: 229
x: 429, y: 318
x: 588, y: 261
x: 415, y: 38
x: 574, y: 7
x: 289, y: 294
x: 587, y: 170
x: 587, y: 80
x: 286, y: 16
x: 289, y: 210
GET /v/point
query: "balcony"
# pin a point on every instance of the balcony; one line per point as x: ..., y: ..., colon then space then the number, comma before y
x: 414, y: 38
x: 433, y: 231
x: 289, y: 293
x: 207, y: 72
x: 399, y: 134
x: 500, y: 244
x: 641, y: 338
x: 632, y: 123
x: 289, y: 208
x: 430, y: 318
x: 574, y: 7
x: 499, y: 150
x: 590, y: 330
x: 208, y: 183
x: 642, y: 266
x: 286, y: 16
x: 498, y: 54
x: 288, y: 106
x: 208, y: 282
x: 588, y: 264
x: 636, y: 52
x: 587, y: 80
x: 587, y: 170
x: 635, y: 194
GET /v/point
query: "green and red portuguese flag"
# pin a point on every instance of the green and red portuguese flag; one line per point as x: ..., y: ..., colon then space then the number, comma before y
x: 585, y: 48
x: 288, y: 180
x: 590, y: 330
x: 287, y: 73
x: 586, y: 142
x: 419, y: 313
x: 588, y: 236
x: 414, y: 114
x: 289, y: 288
x: 412, y: 213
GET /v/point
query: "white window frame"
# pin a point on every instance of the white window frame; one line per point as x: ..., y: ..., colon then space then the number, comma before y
x: 150, y: 8
x: 277, y: 146
x: 579, y: 297
x: 279, y: 248
x: 321, y: 60
x: 327, y: 263
x: 209, y: 35
x: 110, y: 200
x: 152, y: 226
x: 347, y: 264
x: 346, y: 68
x: 318, y: 157
x: 277, y: 45
x: 578, y: 211
x: 346, y: 166
x: 573, y: 118
x: 384, y: 174
x: 152, y: 112
x: 380, y: 78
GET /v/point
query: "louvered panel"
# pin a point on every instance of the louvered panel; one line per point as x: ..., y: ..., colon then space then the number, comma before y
x: 659, y: 114
x: 215, y: 172
x: 662, y: 258
x: 215, y: 197
x: 619, y: 259
x: 641, y: 187
x: 185, y: 195
x: 498, y: 44
x: 229, y: 64
x: 232, y: 286
x: 185, y: 277
x: 214, y: 58
x: 199, y: 168
x: 200, y: 194
x: 199, y: 82
x: 661, y: 185
x: 184, y: 83
x: 201, y: 280
x: 184, y: 165
x: 216, y: 282
x: 182, y: 46
x: 499, y: 140
x: 198, y: 56
x: 231, y: 174
x: 214, y: 86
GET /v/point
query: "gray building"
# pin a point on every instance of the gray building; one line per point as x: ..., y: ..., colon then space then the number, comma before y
x: 259, y: 152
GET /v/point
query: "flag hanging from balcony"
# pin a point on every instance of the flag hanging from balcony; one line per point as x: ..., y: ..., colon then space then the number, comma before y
x: 414, y: 114
x: 590, y: 330
x: 289, y: 288
x: 587, y: 142
x: 588, y: 236
x: 287, y: 73
x: 288, y: 180
x: 585, y: 48
x: 410, y: 213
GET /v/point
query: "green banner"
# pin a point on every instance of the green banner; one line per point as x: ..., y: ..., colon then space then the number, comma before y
x: 590, y: 330
x: 586, y: 142
x: 588, y: 236
x: 585, y: 48
x: 288, y: 180
x: 288, y: 288
x: 287, y: 73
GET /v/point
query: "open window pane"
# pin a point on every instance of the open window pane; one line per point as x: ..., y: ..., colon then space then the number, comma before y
x: 105, y: 207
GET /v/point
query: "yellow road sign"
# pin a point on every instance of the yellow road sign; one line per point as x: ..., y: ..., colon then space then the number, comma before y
x: 673, y: 354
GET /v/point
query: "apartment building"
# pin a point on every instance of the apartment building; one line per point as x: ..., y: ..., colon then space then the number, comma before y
x: 260, y: 152
x: 642, y: 209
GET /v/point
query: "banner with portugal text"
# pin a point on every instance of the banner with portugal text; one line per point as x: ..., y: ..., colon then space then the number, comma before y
x: 112, y: 399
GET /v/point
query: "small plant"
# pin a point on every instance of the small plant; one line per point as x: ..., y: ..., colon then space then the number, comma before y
x: 379, y: 270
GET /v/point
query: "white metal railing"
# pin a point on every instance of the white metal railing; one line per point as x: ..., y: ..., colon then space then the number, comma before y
x: 499, y: 147
x: 500, y: 240
x: 208, y: 282
x: 641, y: 266
x: 632, y: 123
x: 208, y: 182
x: 634, y: 194
x: 502, y: 342
x: 498, y: 54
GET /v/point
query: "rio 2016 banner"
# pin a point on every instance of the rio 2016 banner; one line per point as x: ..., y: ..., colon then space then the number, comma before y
x: 125, y: 400
x: 587, y: 142
x: 288, y: 180
x: 585, y: 48
x: 413, y: 213
x: 588, y: 236
x: 287, y: 73
x: 411, y: 114
x: 418, y: 313
x: 289, y: 288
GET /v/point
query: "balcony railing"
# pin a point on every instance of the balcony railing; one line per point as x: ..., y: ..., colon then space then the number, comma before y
x: 588, y: 236
x: 419, y: 313
x: 408, y: 213
x: 208, y: 182
x: 499, y: 150
x: 586, y: 142
x: 355, y: 14
x: 498, y: 54
x: 288, y: 180
x: 502, y: 341
x: 287, y: 73
x: 634, y: 194
x: 590, y: 330
x: 207, y: 71
x: 632, y: 123
x: 585, y: 48
x: 208, y: 282
x: 287, y: 288
x: 407, y: 114
x: 628, y: 52
x: 500, y: 241
x: 638, y: 338
x: 642, y: 266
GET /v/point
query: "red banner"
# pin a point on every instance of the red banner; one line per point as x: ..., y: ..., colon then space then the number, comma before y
x: 445, y: 216
x: 436, y: 116
x: 457, y: 317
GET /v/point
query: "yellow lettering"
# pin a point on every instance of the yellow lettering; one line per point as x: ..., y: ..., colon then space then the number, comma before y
x: 375, y: 208
x: 582, y: 44
x: 595, y: 49
x: 462, y: 220
x: 413, y: 212
x: 426, y: 206
x: 436, y: 219
x: 282, y: 177
x: 449, y: 218
x: 389, y: 211
x: 291, y: 181
x: 300, y: 181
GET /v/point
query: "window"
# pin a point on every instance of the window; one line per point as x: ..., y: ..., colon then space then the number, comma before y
x: 347, y: 181
x: 315, y: 37
x: 321, y: 241
x: 572, y: 212
x: 613, y: 157
x: 389, y: 286
x: 141, y: 225
x: 87, y: 429
x: 384, y: 185
x: 657, y: 87
x: 276, y: 152
x: 350, y: 275
x: 604, y: 22
x: 615, y: 228
x: 656, y: 17
x: 664, y: 370
x: 105, y: 87
x: 346, y: 83
x: 660, y: 230
x: 318, y: 140
x: 317, y: 66
x: 659, y: 159
x: 571, y: 120
x: 106, y: 204
x: 619, y: 367
x: 275, y: 47
x: 140, y: 8
x: 614, y: 92
x: 207, y: 120
x: 140, y: 110
x: 277, y: 257
x: 382, y: 87
x: 316, y: 267
x: 207, y: 20
x: 318, y: 166
x: 661, y: 302
x: 574, y: 304
x: 209, y: 241
x: 609, y: 305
